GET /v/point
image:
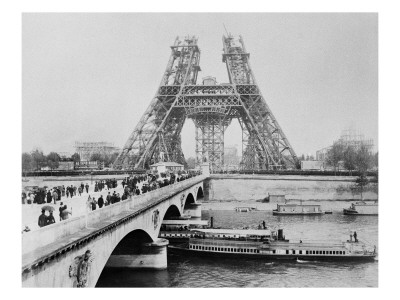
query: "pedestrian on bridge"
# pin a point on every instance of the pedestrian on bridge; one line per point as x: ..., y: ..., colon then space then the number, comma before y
x: 42, y: 219
x: 55, y: 196
x: 87, y: 188
x: 108, y: 198
x: 100, y: 201
x: 50, y: 219
x: 93, y: 203
x: 64, y: 213
x: 48, y: 196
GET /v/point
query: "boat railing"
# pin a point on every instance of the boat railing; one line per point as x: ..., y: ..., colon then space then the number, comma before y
x: 220, y: 242
x: 176, y: 231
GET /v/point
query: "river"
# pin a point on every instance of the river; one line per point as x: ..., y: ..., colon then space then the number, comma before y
x: 209, y: 272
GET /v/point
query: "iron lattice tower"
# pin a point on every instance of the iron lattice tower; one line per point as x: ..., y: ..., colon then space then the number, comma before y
x: 211, y: 107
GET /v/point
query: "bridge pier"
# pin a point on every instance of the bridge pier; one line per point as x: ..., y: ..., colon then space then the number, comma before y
x: 145, y: 256
x: 193, y: 209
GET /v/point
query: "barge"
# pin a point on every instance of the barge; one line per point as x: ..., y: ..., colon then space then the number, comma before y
x: 297, y: 209
x: 269, y: 245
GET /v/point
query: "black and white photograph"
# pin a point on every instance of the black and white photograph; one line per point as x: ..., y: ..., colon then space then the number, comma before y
x: 200, y: 150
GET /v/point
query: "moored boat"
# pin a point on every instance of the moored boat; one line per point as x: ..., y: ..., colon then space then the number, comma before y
x: 245, y: 209
x: 180, y: 230
x: 297, y: 209
x: 362, y: 208
x: 269, y: 244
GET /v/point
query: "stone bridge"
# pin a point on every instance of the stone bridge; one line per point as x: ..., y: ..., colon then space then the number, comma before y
x: 74, y: 252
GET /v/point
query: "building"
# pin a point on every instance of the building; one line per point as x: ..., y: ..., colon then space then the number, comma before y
x: 87, y: 149
x: 231, y: 158
x: 164, y: 166
x: 312, y: 165
x: 88, y: 165
x: 66, y: 165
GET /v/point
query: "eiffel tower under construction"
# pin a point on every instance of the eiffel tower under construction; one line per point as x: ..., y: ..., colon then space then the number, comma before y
x: 211, y: 106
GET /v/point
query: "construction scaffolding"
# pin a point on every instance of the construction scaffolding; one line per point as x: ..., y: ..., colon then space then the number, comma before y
x: 212, y: 107
x: 87, y: 149
x: 349, y: 138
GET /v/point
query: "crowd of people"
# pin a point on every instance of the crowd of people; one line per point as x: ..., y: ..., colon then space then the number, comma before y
x: 132, y: 186
x: 44, y: 195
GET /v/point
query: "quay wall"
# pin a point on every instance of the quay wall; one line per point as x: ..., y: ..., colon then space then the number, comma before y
x: 256, y: 187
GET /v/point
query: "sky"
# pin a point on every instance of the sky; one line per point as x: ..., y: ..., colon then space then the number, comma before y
x: 90, y: 77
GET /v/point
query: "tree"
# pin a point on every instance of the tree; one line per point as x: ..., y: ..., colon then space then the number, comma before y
x: 349, y: 158
x: 302, y: 157
x: 361, y: 181
x: 110, y: 158
x: 96, y: 157
x: 76, y: 157
x: 53, y: 160
x: 363, y: 159
x: 335, y: 155
x: 39, y: 159
x: 375, y: 160
x: 191, y: 163
x: 27, y: 162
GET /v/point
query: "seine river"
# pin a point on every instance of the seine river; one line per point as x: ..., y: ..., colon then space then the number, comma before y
x: 209, y: 272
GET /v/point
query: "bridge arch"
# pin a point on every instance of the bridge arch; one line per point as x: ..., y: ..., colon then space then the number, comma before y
x: 189, y: 200
x: 172, y: 211
x: 132, y: 243
x: 200, y: 193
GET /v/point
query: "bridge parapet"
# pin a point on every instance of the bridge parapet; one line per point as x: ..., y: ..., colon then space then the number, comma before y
x: 51, y: 233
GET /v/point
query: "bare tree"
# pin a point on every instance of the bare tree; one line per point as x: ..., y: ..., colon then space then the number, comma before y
x: 53, y: 160
x: 27, y: 162
x: 361, y: 182
x: 335, y: 155
x: 363, y: 159
x: 76, y: 157
x: 191, y: 162
x: 349, y: 158
x: 39, y: 158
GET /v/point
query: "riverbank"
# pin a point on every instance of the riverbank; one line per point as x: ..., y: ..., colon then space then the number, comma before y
x: 248, y: 187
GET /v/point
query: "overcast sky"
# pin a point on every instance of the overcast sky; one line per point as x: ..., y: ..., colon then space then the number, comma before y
x: 90, y: 77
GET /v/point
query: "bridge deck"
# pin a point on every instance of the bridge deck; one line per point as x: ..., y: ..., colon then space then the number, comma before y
x: 64, y: 244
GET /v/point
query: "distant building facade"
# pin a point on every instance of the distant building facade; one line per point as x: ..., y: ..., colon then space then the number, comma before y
x: 312, y: 165
x: 87, y: 149
x: 164, y: 166
x: 231, y: 158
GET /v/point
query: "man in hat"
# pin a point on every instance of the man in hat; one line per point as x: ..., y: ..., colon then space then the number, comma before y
x: 42, y: 219
x: 100, y: 201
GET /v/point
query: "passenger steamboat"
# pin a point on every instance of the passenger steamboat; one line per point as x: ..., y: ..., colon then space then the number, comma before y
x: 269, y: 245
x: 180, y: 230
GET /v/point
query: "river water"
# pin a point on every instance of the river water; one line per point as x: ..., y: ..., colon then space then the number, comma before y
x: 210, y: 272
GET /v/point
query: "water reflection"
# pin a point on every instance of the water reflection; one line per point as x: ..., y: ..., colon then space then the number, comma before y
x: 228, y: 272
